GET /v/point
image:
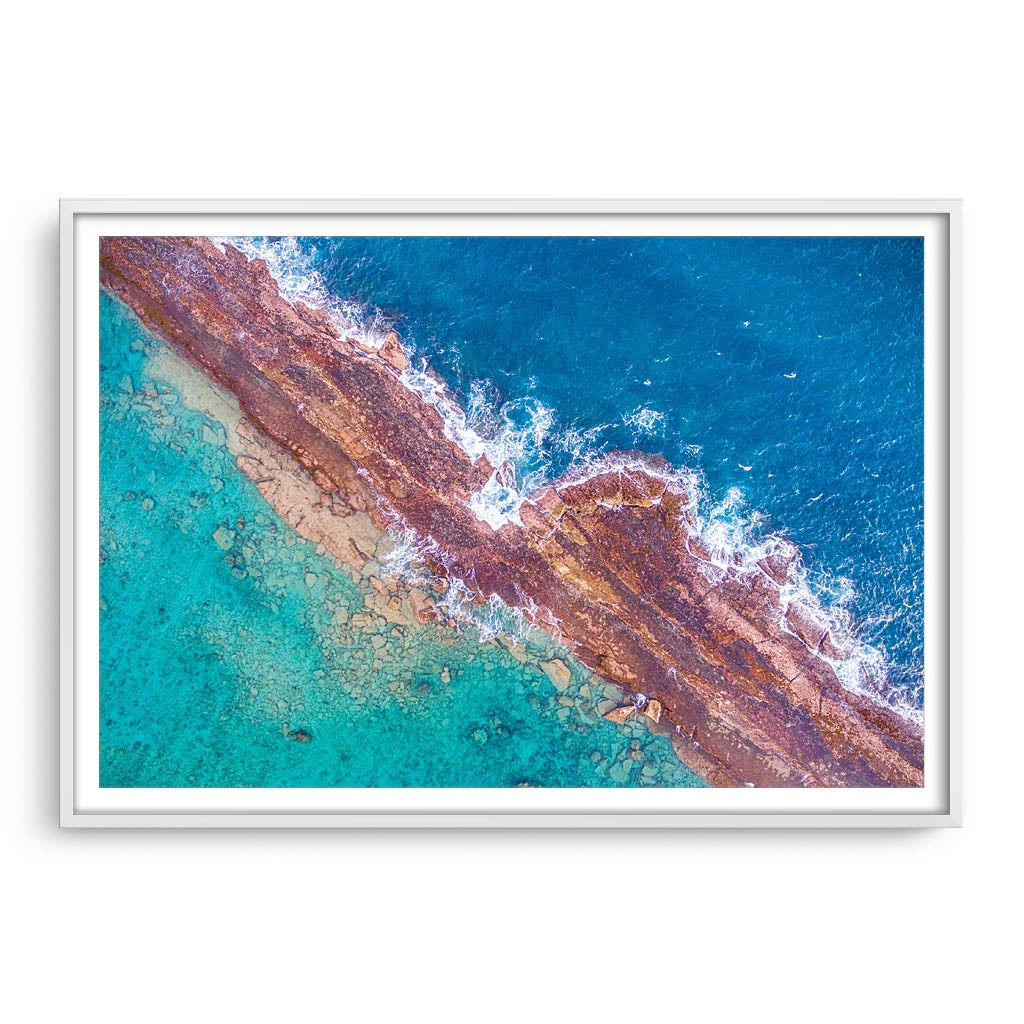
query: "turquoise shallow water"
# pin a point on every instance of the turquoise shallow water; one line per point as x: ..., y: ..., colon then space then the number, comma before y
x: 222, y: 631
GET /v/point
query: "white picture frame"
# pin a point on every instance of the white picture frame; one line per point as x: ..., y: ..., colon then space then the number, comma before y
x: 938, y: 803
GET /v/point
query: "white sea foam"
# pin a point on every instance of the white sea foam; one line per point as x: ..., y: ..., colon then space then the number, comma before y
x: 490, y: 620
x: 519, y: 440
x: 513, y: 440
x: 737, y: 544
x: 406, y: 559
x: 294, y: 270
x: 644, y: 422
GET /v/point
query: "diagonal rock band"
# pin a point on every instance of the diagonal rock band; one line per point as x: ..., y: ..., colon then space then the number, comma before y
x: 743, y: 684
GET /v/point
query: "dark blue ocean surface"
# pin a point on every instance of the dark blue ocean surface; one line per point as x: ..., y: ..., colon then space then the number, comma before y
x: 788, y: 371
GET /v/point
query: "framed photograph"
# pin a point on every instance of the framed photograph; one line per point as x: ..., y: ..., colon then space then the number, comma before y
x: 509, y: 514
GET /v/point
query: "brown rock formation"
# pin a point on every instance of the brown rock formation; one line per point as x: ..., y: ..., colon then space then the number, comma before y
x: 609, y: 564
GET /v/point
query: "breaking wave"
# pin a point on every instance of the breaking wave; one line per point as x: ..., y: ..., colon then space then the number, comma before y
x: 644, y: 422
x: 293, y: 267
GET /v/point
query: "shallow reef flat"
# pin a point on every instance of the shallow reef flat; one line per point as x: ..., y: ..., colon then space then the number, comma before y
x: 238, y: 650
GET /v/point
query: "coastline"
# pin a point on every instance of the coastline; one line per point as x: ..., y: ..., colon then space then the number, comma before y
x: 608, y: 563
x: 358, y: 690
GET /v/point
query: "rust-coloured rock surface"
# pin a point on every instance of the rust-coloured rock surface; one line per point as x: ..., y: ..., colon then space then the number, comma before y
x: 609, y: 563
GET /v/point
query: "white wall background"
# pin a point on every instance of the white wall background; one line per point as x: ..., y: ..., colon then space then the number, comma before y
x: 528, y: 99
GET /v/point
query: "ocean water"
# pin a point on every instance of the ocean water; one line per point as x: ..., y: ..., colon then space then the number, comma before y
x: 784, y: 374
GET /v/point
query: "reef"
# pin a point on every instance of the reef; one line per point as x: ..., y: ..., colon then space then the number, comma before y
x: 609, y: 562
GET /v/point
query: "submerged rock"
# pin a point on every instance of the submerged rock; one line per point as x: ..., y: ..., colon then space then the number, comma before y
x: 224, y: 537
x: 296, y: 735
x: 422, y: 607
x: 620, y: 715
x: 558, y: 672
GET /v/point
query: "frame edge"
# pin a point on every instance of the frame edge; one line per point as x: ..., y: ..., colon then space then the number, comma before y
x: 69, y: 817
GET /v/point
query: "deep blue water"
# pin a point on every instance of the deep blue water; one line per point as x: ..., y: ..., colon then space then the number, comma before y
x: 801, y: 358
